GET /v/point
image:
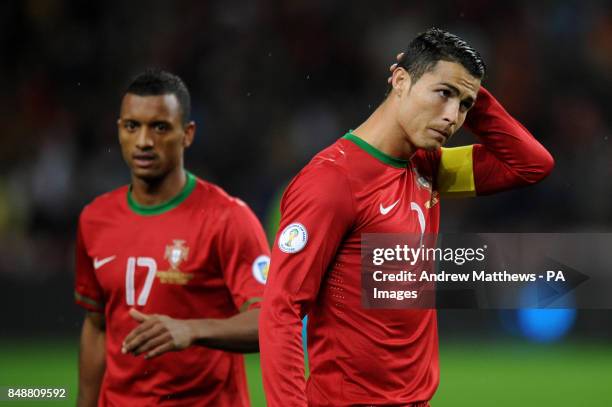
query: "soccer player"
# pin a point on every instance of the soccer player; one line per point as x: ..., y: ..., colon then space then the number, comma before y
x: 167, y: 262
x: 386, y: 176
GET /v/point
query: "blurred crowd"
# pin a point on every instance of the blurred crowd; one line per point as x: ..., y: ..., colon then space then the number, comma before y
x: 272, y: 83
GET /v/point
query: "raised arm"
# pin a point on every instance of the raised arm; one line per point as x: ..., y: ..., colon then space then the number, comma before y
x: 507, y: 157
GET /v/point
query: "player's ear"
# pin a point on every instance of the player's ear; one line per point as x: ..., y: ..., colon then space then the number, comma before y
x: 400, y: 81
x: 189, y: 134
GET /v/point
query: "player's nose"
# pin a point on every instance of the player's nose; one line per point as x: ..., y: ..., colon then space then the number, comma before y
x: 450, y: 114
x: 144, y: 138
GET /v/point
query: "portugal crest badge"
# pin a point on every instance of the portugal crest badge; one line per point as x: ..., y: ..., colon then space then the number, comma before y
x: 176, y: 253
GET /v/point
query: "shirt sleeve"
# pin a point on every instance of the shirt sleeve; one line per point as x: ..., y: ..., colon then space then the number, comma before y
x: 507, y: 157
x: 87, y: 293
x: 245, y: 256
x: 317, y: 210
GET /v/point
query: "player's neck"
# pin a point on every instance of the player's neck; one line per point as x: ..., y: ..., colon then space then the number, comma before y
x: 155, y: 192
x: 382, y: 132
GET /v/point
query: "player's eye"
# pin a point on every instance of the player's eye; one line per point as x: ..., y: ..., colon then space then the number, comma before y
x: 465, y: 106
x: 130, y: 125
x: 161, y: 127
x: 445, y: 93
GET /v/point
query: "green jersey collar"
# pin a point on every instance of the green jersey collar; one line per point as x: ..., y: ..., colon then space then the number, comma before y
x: 165, y: 206
x: 374, y: 152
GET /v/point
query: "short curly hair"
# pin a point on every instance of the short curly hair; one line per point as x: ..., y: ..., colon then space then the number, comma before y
x: 155, y: 82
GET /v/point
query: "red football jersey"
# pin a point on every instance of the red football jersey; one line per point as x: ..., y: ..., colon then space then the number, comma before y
x: 203, y: 254
x: 360, y: 356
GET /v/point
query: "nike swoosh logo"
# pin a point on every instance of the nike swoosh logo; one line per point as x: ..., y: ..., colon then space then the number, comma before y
x: 99, y: 263
x: 384, y: 211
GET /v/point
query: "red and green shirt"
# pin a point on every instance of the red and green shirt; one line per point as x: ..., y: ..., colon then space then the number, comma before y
x: 360, y: 356
x: 203, y: 254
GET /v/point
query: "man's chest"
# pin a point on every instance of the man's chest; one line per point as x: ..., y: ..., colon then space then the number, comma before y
x: 405, y: 203
x: 403, y: 208
x: 146, y: 261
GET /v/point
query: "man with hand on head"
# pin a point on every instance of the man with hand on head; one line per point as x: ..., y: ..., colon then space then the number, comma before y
x: 168, y: 263
x: 386, y: 176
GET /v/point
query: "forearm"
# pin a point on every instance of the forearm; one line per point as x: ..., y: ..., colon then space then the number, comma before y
x: 236, y: 334
x: 91, y: 362
x: 509, y: 155
x: 282, y: 355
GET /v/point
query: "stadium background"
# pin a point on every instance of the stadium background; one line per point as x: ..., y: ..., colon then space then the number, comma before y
x: 272, y: 83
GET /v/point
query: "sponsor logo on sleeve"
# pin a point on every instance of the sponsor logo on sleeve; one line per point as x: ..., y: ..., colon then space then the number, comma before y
x: 261, y: 265
x: 293, y: 238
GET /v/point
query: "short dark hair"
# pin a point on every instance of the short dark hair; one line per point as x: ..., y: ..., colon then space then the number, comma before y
x: 434, y: 45
x: 155, y: 82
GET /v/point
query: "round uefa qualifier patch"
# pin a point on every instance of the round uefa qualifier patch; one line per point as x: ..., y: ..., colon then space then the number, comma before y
x: 261, y: 265
x: 293, y: 238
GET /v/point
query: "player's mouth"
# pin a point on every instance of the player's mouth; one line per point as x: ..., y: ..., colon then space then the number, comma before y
x: 143, y: 160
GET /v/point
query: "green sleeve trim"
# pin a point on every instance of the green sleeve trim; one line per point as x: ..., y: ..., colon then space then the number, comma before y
x: 250, y: 302
x: 166, y: 206
x: 87, y: 300
x: 374, y: 152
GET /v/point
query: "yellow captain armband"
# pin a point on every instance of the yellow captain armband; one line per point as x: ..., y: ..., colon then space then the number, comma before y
x: 456, y: 173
